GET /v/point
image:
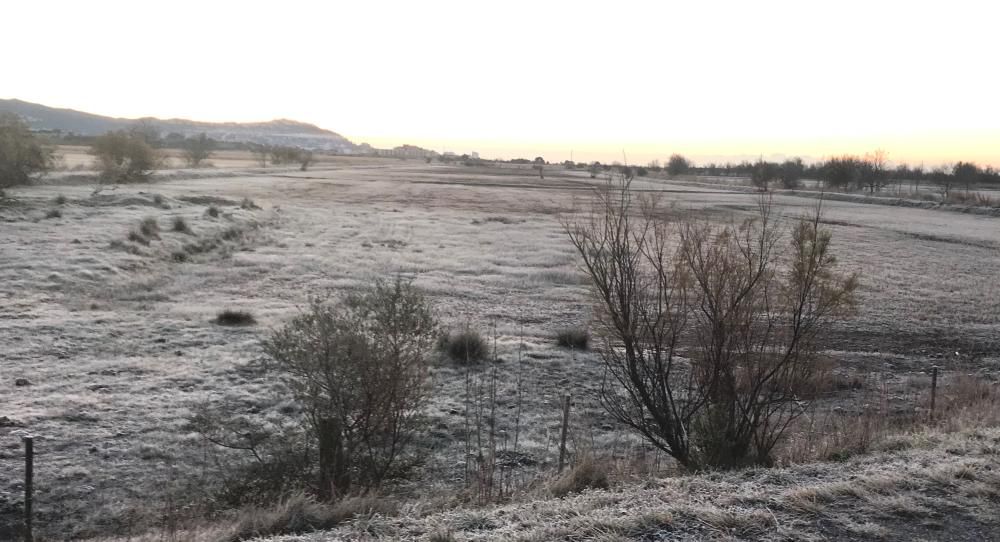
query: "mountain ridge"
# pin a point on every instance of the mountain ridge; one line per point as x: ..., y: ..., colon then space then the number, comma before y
x: 274, y: 132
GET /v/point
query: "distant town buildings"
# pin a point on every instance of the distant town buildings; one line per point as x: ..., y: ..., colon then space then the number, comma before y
x: 411, y: 151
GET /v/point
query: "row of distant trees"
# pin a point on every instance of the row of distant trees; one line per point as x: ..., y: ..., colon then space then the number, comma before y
x: 870, y: 172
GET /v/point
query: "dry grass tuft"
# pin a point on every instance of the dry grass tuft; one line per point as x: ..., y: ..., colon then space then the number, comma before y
x: 149, y: 228
x: 180, y: 225
x: 586, y: 474
x: 137, y: 237
x: 300, y: 513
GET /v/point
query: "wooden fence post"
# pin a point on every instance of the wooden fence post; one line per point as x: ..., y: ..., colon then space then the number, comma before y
x: 29, y: 479
x: 565, y: 427
x: 934, y: 375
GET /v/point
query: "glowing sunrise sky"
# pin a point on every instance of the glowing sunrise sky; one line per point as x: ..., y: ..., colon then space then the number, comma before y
x: 708, y: 79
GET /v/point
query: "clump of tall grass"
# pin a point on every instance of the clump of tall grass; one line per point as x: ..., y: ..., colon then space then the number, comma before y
x: 466, y: 346
x: 181, y: 226
x: 149, y: 228
x: 230, y: 317
x: 576, y: 338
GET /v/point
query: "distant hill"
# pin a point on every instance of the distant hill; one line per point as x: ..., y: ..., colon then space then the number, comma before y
x: 275, y: 132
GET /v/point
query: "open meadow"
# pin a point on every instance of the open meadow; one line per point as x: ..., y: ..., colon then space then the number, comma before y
x: 108, y: 306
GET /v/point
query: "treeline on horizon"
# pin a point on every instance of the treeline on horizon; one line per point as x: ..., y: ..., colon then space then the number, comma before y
x: 871, y: 172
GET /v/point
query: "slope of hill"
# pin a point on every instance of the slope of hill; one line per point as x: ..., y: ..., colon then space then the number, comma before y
x: 924, y: 486
x: 276, y: 132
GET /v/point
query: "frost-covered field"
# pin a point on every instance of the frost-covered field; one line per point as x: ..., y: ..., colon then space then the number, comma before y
x: 116, y: 339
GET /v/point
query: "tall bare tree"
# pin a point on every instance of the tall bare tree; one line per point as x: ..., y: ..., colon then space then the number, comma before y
x: 710, y: 330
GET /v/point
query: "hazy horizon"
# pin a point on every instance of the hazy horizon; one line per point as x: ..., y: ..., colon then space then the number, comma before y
x: 710, y: 81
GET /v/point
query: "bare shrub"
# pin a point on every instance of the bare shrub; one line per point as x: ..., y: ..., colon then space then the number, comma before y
x: 575, y: 338
x: 466, y: 346
x: 235, y: 318
x: 213, y: 211
x: 746, y: 311
x: 359, y: 370
x: 60, y: 199
x: 53, y: 213
x: 248, y: 204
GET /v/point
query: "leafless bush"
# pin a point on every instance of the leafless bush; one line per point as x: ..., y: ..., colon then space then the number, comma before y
x: 359, y: 371
x: 745, y: 311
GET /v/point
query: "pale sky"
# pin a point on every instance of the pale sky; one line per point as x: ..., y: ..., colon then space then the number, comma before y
x: 708, y: 79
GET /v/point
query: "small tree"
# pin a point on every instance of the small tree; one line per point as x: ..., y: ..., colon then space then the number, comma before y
x: 763, y: 173
x: 873, y: 171
x: 124, y: 156
x: 22, y: 156
x: 791, y: 173
x: 678, y: 165
x: 305, y: 159
x: 539, y: 164
x: 944, y: 181
x: 966, y: 174
x: 260, y: 153
x: 840, y: 172
x: 359, y: 370
x: 198, y: 149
